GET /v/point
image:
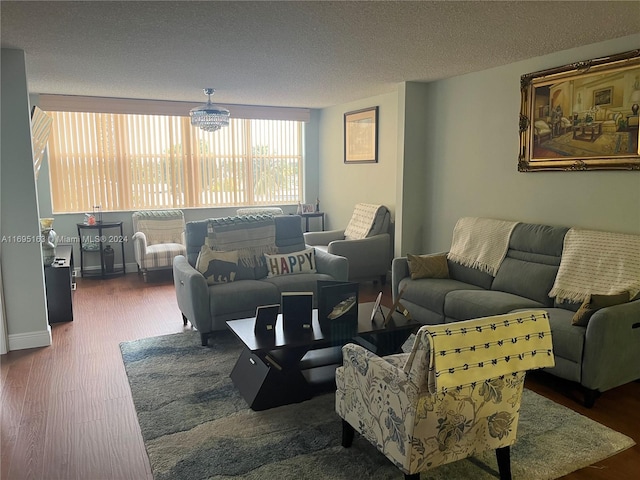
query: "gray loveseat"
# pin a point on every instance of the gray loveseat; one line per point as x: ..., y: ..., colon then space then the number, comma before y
x: 208, y: 307
x: 600, y: 356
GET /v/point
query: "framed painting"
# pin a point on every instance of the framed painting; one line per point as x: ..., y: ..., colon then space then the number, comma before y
x: 602, y: 98
x: 361, y: 136
x: 581, y: 116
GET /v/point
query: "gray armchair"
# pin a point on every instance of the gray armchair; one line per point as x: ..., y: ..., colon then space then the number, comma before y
x: 366, y: 242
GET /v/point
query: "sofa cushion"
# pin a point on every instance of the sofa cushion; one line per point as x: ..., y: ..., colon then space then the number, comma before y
x: 160, y: 255
x: 540, y: 239
x: 431, y: 292
x: 531, y: 264
x: 427, y: 266
x: 217, y: 267
x: 289, y: 236
x: 526, y: 279
x: 595, y: 303
x: 301, y: 282
x: 226, y: 300
x: 467, y: 304
x: 568, y: 340
x: 469, y: 275
x: 292, y: 263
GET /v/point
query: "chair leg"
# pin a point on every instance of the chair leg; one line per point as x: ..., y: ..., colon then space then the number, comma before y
x: 204, y: 338
x: 184, y: 320
x: 347, y: 434
x: 504, y: 462
x: 413, y: 476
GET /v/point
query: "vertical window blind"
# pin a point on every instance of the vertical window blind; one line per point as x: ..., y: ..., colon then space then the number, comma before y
x: 133, y: 162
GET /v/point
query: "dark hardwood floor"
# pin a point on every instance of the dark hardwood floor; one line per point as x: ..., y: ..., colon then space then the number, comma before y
x: 67, y: 411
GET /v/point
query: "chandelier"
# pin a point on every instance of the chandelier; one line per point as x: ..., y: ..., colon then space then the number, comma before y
x: 209, y: 117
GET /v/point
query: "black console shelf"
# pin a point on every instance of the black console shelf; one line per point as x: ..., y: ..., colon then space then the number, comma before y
x: 60, y: 285
x: 93, y: 239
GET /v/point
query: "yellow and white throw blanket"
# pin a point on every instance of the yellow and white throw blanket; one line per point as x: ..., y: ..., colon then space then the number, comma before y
x: 595, y: 262
x: 480, y: 243
x: 462, y: 353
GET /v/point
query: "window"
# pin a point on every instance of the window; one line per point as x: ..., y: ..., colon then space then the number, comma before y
x: 127, y: 161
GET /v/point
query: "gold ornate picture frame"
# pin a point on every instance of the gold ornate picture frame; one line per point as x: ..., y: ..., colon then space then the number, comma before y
x: 581, y: 116
x: 361, y: 136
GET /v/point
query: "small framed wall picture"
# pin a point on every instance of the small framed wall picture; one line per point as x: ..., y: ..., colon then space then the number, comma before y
x: 361, y: 136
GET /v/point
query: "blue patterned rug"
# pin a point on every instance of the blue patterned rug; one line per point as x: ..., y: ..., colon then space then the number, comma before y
x: 196, y: 426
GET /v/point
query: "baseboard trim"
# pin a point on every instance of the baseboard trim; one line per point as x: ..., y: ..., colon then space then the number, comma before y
x: 20, y: 341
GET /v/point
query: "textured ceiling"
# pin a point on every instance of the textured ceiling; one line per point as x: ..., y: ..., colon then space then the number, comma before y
x: 303, y: 54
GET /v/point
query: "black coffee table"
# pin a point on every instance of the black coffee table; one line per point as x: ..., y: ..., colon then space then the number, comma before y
x: 292, y: 367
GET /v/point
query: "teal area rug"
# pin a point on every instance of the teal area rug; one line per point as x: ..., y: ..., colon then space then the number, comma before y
x: 196, y: 426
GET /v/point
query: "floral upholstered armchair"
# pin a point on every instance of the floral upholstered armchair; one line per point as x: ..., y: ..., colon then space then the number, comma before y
x: 456, y: 394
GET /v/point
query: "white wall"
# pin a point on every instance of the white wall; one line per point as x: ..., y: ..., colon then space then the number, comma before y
x: 472, y: 151
x: 22, y: 270
x: 343, y: 185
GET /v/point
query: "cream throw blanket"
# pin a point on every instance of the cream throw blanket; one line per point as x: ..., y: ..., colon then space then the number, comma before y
x: 595, y: 262
x: 480, y: 243
x: 462, y: 353
x: 363, y: 218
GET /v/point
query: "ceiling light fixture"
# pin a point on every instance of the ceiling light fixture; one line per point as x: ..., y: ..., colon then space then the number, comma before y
x: 209, y: 117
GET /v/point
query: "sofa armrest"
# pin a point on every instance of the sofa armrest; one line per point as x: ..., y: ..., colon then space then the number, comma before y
x: 192, y: 294
x: 364, y: 254
x: 334, y: 265
x: 399, y: 270
x: 612, y: 347
x: 139, y: 246
x: 323, y: 238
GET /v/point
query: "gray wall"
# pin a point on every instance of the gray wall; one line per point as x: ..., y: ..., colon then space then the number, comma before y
x: 22, y: 267
x: 471, y: 159
x: 455, y: 146
x: 343, y: 185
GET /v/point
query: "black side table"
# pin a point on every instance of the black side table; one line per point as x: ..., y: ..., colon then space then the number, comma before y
x: 94, y: 242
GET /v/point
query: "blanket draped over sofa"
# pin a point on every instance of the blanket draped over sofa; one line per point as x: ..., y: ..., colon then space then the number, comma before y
x: 480, y: 243
x: 252, y: 236
x: 595, y: 262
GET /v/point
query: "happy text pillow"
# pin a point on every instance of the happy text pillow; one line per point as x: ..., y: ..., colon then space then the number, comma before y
x: 303, y: 261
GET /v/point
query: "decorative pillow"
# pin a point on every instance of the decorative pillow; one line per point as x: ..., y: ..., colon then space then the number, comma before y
x: 217, y: 267
x: 428, y: 266
x: 303, y: 261
x: 595, y: 303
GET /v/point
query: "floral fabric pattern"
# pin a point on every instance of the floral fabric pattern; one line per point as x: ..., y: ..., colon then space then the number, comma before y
x: 389, y: 403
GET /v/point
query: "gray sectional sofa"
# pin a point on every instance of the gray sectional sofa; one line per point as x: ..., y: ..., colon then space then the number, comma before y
x: 208, y: 307
x: 600, y: 356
